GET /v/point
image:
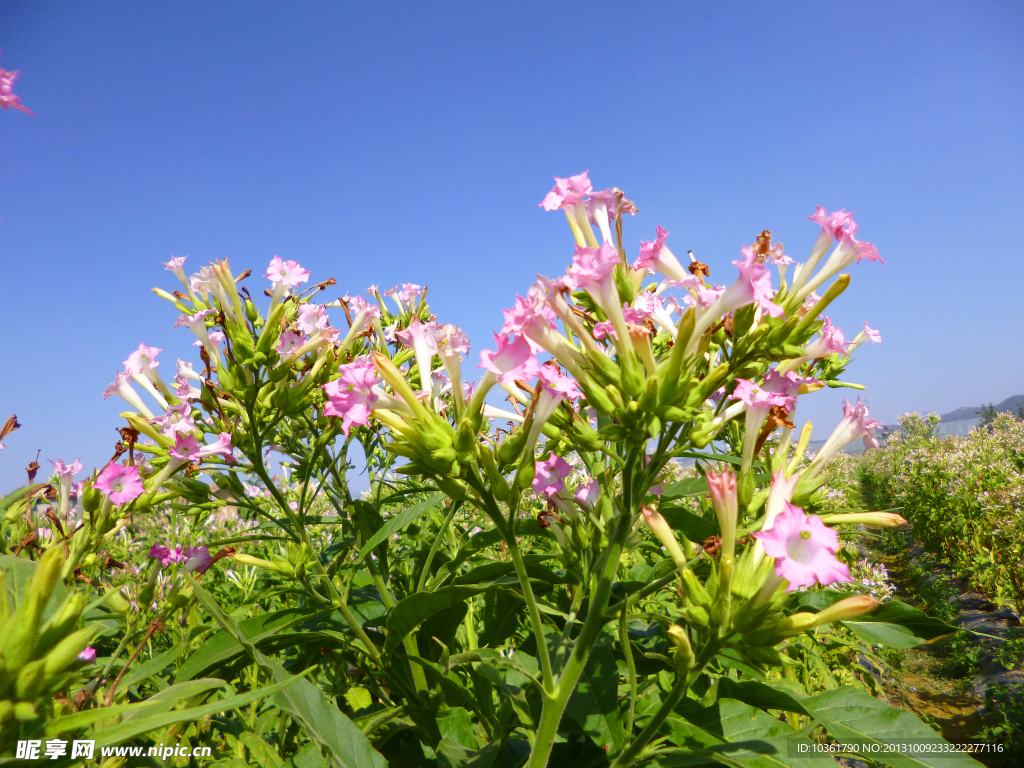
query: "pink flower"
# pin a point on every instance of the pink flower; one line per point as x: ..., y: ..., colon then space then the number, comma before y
x: 177, y: 266
x: 526, y: 314
x: 833, y: 225
x: 198, y: 559
x: 311, y: 318
x: 513, y: 360
x: 550, y: 476
x: 409, y: 293
x: 351, y: 395
x: 567, y: 192
x: 648, y: 305
x: 873, y: 335
x: 856, y: 424
x: 66, y: 471
x: 289, y: 342
x: 558, y: 384
x: 830, y: 342
x: 287, y: 272
x: 122, y: 386
x: 787, y: 384
x: 422, y: 339
x: 7, y: 97
x: 655, y: 255
x: 165, y: 555
x: 840, y: 227
x: 176, y: 421
x: 587, y: 493
x: 592, y: 269
x: 119, y: 483
x: 804, y: 550
x: 722, y: 487
x: 88, y: 654
x: 755, y: 396
x: 187, y: 448
x: 141, y: 360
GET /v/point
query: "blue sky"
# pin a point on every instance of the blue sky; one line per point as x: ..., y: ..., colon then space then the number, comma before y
x: 410, y: 142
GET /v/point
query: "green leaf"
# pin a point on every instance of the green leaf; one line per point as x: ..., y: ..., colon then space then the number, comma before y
x: 259, y: 750
x: 153, y: 666
x: 168, y: 698
x: 850, y: 714
x: 594, y: 703
x: 420, y: 606
x: 695, y: 527
x: 223, y: 647
x: 736, y: 734
x: 452, y: 755
x: 898, y: 625
x: 397, y: 523
x: 456, y: 725
x: 307, y: 757
x: 760, y: 695
x: 141, y: 725
x: 496, y: 569
x: 19, y: 574
x: 323, y: 722
x: 690, y: 486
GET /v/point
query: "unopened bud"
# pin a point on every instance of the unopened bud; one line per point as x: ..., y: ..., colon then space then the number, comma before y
x: 883, y: 519
x: 660, y: 528
x: 682, y: 650
x: 66, y: 652
x: 850, y: 608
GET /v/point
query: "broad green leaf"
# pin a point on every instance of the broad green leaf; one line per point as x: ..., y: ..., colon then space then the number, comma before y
x: 87, y: 717
x: 153, y: 666
x: 453, y: 755
x: 850, y: 714
x: 398, y: 522
x: 320, y: 718
x: 907, y: 618
x: 736, y: 734
x: 456, y: 725
x: 497, y: 569
x: 19, y: 574
x: 889, y: 635
x: 695, y: 527
x: 259, y: 750
x: 760, y: 695
x: 141, y: 725
x: 418, y: 607
x: 690, y: 486
x: 168, y: 698
x: 307, y: 757
x: 594, y: 703
x: 222, y: 646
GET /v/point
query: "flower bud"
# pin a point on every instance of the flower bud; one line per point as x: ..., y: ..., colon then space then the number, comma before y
x: 24, y: 625
x: 660, y: 528
x: 883, y: 519
x: 60, y: 624
x: 31, y: 678
x: 117, y: 602
x: 682, y: 650
x: 850, y: 608
x: 65, y: 653
x: 25, y: 711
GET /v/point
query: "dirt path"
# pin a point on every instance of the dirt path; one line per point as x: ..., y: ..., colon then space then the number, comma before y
x: 945, y: 681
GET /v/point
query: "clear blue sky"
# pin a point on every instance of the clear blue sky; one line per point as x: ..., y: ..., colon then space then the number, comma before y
x: 410, y: 142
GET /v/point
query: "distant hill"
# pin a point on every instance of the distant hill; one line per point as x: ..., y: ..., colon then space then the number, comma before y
x: 1009, y: 405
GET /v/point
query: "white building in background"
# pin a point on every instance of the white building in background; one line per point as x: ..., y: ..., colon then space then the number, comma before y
x: 958, y: 428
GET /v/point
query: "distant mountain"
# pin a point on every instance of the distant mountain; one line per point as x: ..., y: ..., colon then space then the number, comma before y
x: 1009, y: 405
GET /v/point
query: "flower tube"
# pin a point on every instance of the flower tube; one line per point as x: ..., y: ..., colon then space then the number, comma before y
x: 856, y: 424
x: 422, y: 339
x: 567, y: 195
x: 656, y: 255
x: 758, y: 401
x: 122, y: 386
x: 593, y: 270
x: 65, y: 477
x: 141, y: 366
x: 552, y: 388
x: 848, y: 251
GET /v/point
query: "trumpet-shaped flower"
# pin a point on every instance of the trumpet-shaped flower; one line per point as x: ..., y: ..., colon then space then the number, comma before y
x: 656, y: 255
x: 187, y: 448
x: 848, y: 250
x: 122, y: 386
x: 422, y: 339
x: 288, y: 272
x: 312, y: 317
x: 550, y: 476
x: 289, y: 342
x: 587, y: 493
x: 513, y: 360
x: 567, y: 192
x: 874, y: 336
x: 166, y: 555
x: 177, y: 266
x: 142, y: 360
x: 7, y: 97
x: 351, y: 396
x: 176, y: 421
x: 804, y: 550
x: 722, y: 487
x: 66, y: 471
x: 409, y: 293
x: 857, y: 424
x: 119, y: 483
x: 198, y: 559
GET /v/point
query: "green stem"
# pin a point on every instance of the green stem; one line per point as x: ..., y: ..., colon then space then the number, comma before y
x: 509, y: 536
x: 554, y: 705
x: 627, y: 651
x: 683, y: 683
x: 437, y: 543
